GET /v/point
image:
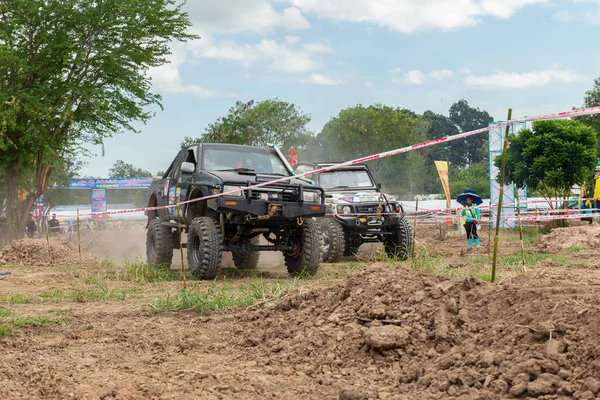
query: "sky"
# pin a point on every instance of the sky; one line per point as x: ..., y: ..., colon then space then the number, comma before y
x: 536, y: 56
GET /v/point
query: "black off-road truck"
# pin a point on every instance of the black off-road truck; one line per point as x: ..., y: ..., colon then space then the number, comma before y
x: 358, y: 212
x: 282, y: 213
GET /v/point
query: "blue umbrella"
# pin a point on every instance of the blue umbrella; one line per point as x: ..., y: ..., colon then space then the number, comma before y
x: 462, y: 198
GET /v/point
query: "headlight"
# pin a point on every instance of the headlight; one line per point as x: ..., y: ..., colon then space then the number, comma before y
x: 239, y: 193
x: 311, y: 197
x: 345, y: 210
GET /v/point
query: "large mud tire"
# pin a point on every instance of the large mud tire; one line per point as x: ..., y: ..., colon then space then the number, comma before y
x: 204, y: 248
x: 309, y: 255
x: 399, y: 243
x: 245, y: 259
x: 159, y: 243
x: 334, y: 242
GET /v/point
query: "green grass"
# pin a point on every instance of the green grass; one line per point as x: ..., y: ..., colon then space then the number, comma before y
x: 99, y: 292
x: 10, y: 322
x: 217, y: 298
x: 142, y: 272
x: 15, y: 299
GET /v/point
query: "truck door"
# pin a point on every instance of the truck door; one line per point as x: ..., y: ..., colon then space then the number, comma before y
x: 181, y: 181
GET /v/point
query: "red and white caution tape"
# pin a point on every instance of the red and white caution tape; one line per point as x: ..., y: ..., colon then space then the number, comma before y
x: 566, y: 114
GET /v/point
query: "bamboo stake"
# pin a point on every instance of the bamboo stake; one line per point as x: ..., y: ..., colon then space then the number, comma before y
x: 415, y: 230
x: 490, y: 231
x: 79, y: 240
x: 520, y: 230
x: 181, y: 249
x: 501, y: 196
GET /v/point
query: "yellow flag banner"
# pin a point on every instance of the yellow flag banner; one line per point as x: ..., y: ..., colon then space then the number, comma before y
x: 597, y: 189
x: 442, y: 169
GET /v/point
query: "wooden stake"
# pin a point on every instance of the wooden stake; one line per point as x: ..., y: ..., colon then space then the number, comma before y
x: 48, y: 237
x: 501, y: 196
x: 181, y: 249
x: 79, y: 240
x: 520, y: 230
x: 415, y: 230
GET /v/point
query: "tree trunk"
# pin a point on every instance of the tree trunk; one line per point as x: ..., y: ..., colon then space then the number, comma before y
x: 17, y: 212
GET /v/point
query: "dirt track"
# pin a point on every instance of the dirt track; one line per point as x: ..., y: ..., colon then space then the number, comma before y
x: 356, y: 331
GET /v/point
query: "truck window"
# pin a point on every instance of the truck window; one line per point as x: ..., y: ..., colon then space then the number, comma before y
x: 259, y: 160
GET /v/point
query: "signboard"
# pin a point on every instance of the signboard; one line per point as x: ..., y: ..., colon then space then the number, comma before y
x: 98, y: 200
x: 117, y: 183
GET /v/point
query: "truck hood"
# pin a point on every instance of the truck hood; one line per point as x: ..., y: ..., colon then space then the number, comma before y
x: 357, y: 197
x: 232, y: 177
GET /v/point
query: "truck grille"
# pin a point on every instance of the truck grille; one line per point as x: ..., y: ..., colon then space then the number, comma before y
x: 368, y: 208
x: 287, y: 196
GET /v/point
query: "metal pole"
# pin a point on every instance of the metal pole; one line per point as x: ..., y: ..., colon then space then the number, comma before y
x: 415, y: 230
x: 181, y: 249
x: 501, y: 196
x: 520, y: 230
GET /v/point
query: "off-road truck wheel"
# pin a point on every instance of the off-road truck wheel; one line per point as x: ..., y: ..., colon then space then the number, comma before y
x: 351, y: 247
x: 334, y: 241
x: 245, y: 258
x: 204, y: 248
x: 399, y: 244
x: 307, y: 258
x: 159, y: 243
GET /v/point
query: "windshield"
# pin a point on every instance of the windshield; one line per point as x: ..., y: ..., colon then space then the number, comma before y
x: 346, y: 179
x: 251, y: 159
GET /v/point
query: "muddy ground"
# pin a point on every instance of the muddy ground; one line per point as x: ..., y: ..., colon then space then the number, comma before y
x: 366, y: 328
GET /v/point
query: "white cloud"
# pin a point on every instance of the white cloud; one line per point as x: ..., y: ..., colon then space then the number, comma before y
x: 369, y: 84
x: 441, y: 74
x: 562, y: 16
x: 284, y: 57
x: 410, y: 16
x: 396, y: 70
x: 234, y: 16
x: 416, y: 77
x: 525, y: 79
x: 292, y: 39
x: 319, y: 79
x: 166, y: 78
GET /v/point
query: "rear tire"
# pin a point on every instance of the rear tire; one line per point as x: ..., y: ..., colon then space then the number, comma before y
x: 204, y: 248
x: 400, y: 243
x: 245, y: 259
x: 159, y: 243
x: 334, y: 242
x: 309, y: 255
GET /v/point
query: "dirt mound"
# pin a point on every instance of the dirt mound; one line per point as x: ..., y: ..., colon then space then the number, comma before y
x: 35, y: 252
x: 397, y: 334
x: 563, y: 238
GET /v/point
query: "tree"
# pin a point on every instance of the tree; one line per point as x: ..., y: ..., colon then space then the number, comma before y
x: 259, y: 124
x: 467, y: 118
x: 74, y: 72
x: 475, y: 177
x: 592, y: 99
x: 552, y: 157
x: 360, y: 131
x: 441, y: 126
x: 121, y: 169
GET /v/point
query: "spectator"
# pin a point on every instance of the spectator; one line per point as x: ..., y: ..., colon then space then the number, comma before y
x: 54, y: 225
x: 31, y: 227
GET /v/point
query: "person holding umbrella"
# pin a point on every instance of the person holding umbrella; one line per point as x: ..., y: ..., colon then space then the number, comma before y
x: 471, y: 214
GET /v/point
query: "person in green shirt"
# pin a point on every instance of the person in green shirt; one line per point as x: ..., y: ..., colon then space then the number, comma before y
x: 471, y: 217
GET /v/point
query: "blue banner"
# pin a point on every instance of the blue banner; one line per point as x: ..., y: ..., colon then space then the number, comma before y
x: 98, y: 200
x: 107, y: 183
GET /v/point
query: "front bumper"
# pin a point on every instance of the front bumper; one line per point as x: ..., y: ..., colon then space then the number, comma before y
x: 258, y: 208
x: 367, y: 222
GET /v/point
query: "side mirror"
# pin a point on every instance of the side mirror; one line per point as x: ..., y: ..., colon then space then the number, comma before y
x: 187, y: 168
x: 379, y: 186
